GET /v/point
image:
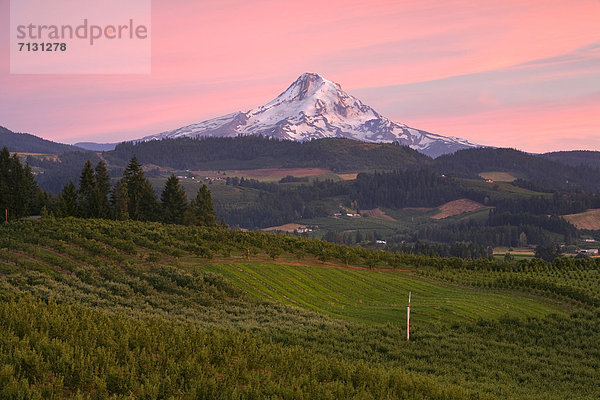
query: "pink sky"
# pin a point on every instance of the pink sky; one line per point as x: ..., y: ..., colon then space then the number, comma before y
x: 522, y: 74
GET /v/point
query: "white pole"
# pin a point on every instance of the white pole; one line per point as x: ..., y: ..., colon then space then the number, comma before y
x: 408, y: 319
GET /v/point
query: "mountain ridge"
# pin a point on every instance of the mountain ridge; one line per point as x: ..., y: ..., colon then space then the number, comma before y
x: 28, y: 143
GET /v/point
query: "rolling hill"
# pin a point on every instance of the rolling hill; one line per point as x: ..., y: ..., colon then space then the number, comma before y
x: 589, y: 219
x: 252, y: 152
x: 27, y: 143
x: 538, y: 169
x: 108, y: 308
x: 576, y: 157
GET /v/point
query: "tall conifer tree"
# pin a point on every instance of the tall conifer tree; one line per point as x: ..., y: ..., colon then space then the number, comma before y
x: 202, y: 208
x: 142, y: 200
x: 102, y: 189
x: 174, y: 201
x: 18, y: 190
x: 67, y: 201
x: 120, y: 201
x: 87, y: 193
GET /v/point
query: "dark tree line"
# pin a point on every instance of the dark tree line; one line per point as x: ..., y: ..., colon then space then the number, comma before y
x: 133, y: 197
x: 425, y: 188
x: 19, y: 194
x: 485, y: 235
x: 465, y: 250
x: 244, y: 152
x: 398, y: 189
x: 502, y: 229
x: 543, y: 170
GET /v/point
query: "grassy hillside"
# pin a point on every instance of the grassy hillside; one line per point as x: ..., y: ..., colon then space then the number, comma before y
x: 375, y: 296
x: 589, y: 219
x: 94, y: 308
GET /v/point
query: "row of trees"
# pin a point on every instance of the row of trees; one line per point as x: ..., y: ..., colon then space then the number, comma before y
x: 19, y: 194
x: 242, y: 152
x: 133, y: 197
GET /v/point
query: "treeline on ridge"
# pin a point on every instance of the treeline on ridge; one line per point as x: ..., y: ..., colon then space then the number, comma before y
x: 132, y: 197
x: 539, y: 169
x: 246, y: 152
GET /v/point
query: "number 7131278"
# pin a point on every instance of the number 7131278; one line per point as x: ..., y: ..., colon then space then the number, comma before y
x: 42, y: 46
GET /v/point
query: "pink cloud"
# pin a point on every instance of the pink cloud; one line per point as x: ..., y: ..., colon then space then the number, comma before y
x: 215, y: 57
x: 540, y: 128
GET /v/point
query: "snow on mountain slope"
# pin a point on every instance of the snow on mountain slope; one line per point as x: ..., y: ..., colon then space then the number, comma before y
x: 314, y: 107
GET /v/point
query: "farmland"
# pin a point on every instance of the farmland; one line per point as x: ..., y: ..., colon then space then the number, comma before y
x: 97, y: 308
x: 269, y: 174
x: 589, y: 219
x: 458, y: 207
x: 518, y: 253
x: 499, y: 176
x: 375, y: 296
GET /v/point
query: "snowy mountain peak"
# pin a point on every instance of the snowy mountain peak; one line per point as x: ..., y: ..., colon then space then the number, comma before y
x: 309, y: 85
x: 313, y: 107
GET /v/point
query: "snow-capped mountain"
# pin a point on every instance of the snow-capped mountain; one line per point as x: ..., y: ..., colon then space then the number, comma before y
x: 312, y: 108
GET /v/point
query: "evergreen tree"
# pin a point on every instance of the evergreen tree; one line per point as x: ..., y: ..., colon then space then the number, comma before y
x: 523, y: 239
x: 202, y: 209
x: 19, y: 194
x: 67, y: 201
x: 142, y: 200
x: 120, y: 201
x: 174, y: 201
x: 87, y: 201
x: 37, y: 197
x: 359, y: 237
x: 102, y: 189
x: 5, y: 198
x: 547, y: 252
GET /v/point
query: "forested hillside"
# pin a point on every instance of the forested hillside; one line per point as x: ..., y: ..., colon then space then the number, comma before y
x: 576, y: 157
x: 247, y: 152
x: 518, y: 214
x: 19, y: 192
x: 512, y: 214
x: 53, y: 175
x: 539, y: 169
x: 26, y: 143
x: 394, y: 179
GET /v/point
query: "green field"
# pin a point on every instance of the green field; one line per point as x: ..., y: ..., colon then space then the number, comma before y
x: 123, y: 309
x: 499, y: 176
x: 376, y: 296
x: 501, y: 190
